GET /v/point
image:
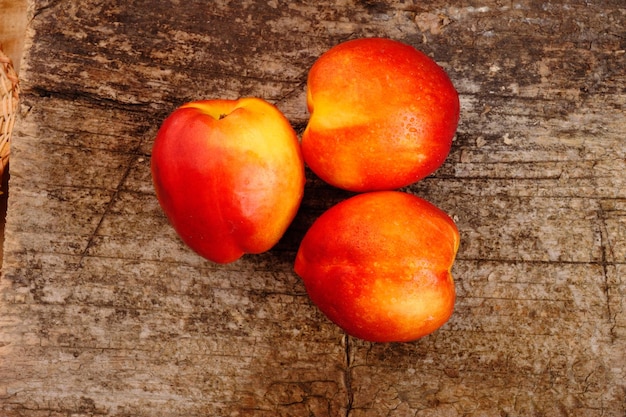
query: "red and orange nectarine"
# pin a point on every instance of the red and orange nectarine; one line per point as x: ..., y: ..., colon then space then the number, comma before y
x: 379, y: 266
x: 229, y: 175
x: 382, y: 115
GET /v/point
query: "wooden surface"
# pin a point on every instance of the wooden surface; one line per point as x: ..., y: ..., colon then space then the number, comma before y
x: 104, y: 312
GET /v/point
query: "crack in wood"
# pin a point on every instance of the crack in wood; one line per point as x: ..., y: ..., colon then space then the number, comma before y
x: 74, y: 95
x: 608, y: 258
x: 118, y: 189
x: 347, y: 376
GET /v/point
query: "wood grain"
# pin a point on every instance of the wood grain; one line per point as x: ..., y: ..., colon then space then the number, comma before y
x: 103, y: 311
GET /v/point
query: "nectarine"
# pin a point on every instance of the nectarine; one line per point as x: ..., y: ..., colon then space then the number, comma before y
x: 382, y: 115
x: 229, y: 175
x: 379, y: 266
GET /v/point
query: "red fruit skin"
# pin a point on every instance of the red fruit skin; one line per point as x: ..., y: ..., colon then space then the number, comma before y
x: 229, y: 176
x: 382, y: 115
x: 379, y: 266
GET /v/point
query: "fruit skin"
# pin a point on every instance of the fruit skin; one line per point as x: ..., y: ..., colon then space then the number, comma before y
x: 229, y: 175
x: 378, y: 265
x: 382, y: 115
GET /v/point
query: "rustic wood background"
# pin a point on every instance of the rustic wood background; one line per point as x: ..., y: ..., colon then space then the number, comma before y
x: 104, y: 312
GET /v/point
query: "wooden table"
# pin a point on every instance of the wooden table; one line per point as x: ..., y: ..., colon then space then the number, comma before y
x: 103, y: 311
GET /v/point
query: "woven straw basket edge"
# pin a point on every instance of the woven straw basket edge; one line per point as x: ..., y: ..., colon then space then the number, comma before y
x: 9, y: 97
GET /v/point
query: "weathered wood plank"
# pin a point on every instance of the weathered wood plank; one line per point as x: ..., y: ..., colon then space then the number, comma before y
x: 103, y: 311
